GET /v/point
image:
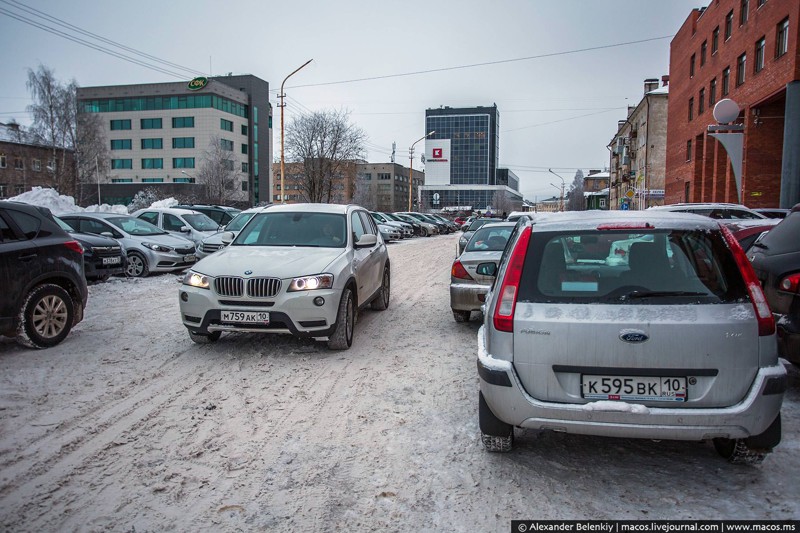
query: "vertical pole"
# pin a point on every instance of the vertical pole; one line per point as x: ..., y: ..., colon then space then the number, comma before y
x: 790, y: 164
x: 97, y: 177
x: 283, y: 195
x: 410, y: 175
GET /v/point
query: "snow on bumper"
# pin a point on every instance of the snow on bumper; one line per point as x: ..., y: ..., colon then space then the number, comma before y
x: 509, y: 401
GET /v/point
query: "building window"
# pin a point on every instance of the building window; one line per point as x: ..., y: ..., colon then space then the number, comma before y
x: 183, y: 142
x: 689, y: 150
x: 152, y: 162
x: 51, y: 165
x: 182, y: 180
x: 244, y: 129
x: 715, y: 41
x: 121, y: 144
x: 19, y: 164
x: 183, y: 162
x: 226, y: 145
x: 703, y: 49
x: 245, y: 167
x: 121, y: 180
x: 3, y: 190
x: 726, y: 81
x: 701, y: 102
x: 183, y: 122
x: 226, y: 125
x: 228, y: 164
x: 741, y: 67
x: 121, y: 163
x: 36, y: 165
x: 744, y: 12
x: 244, y: 186
x: 691, y: 108
x: 121, y: 124
x: 729, y: 25
x: 712, y: 93
x: 152, y: 144
x: 759, y: 62
x: 152, y: 180
x: 151, y: 123
x: 244, y: 148
x: 691, y: 66
x: 2, y: 161
x: 782, y: 41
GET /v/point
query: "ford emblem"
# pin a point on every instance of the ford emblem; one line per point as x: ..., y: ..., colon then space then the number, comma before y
x: 633, y: 336
x: 248, y: 272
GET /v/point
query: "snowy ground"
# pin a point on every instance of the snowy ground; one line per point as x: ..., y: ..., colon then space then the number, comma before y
x: 129, y: 426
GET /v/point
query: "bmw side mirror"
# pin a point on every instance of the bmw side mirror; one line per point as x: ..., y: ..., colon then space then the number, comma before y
x: 486, y: 269
x: 227, y: 238
x: 367, y: 240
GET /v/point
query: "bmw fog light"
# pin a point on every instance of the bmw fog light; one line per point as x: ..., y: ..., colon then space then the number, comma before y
x: 319, y: 301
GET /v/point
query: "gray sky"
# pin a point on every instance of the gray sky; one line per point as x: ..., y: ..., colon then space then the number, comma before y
x: 556, y: 112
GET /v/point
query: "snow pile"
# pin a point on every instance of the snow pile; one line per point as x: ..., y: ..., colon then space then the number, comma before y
x: 60, y: 204
x: 621, y: 407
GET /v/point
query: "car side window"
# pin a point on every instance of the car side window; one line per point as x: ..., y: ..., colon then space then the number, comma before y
x: 28, y: 224
x: 357, y: 226
x: 172, y: 223
x: 7, y: 234
x: 150, y: 217
x: 369, y: 223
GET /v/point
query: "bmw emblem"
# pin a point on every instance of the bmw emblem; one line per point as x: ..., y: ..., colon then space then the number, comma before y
x: 633, y: 336
x: 248, y: 272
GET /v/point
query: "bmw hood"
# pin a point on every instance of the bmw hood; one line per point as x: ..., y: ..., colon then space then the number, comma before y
x: 268, y: 261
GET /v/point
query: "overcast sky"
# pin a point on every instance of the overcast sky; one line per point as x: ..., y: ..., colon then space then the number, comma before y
x: 556, y: 112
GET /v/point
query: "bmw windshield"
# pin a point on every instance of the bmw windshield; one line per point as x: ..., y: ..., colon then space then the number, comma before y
x: 326, y: 230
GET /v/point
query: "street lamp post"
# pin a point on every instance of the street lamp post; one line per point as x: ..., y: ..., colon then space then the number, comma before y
x: 411, y: 166
x: 282, y: 105
x: 563, y: 186
x: 194, y: 180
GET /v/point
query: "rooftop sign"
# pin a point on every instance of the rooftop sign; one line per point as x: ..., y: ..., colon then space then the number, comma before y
x: 198, y: 83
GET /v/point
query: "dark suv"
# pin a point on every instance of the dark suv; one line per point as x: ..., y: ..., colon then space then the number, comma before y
x: 776, y: 259
x: 41, y: 271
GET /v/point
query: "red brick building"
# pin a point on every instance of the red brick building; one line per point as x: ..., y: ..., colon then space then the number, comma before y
x: 747, y: 51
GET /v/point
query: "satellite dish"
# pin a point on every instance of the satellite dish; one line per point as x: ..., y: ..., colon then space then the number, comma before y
x: 726, y: 111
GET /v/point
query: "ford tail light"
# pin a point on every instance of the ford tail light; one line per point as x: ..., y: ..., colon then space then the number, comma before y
x: 509, y: 289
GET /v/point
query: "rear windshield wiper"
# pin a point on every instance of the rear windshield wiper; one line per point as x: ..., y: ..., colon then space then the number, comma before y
x: 760, y: 245
x: 658, y: 294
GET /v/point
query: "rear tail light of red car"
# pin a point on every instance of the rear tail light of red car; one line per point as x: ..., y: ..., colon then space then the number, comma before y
x: 790, y: 283
x: 766, y: 324
x: 75, y: 246
x: 458, y: 271
x: 509, y: 290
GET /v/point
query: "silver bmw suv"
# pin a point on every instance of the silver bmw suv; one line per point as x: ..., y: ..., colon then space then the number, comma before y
x: 629, y: 324
x: 302, y: 269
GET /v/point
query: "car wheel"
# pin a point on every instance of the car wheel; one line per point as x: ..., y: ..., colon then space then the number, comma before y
x: 342, y: 337
x: 137, y: 265
x: 381, y: 301
x: 423, y: 232
x: 461, y: 316
x: 201, y: 338
x: 46, y: 317
x: 752, y: 450
x: 496, y: 435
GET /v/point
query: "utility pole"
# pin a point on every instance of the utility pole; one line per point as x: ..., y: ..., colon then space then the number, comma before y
x: 97, y: 177
x: 563, y: 186
x: 411, y: 166
x: 282, y: 105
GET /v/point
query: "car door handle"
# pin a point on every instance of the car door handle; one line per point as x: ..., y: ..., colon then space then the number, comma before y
x: 27, y: 257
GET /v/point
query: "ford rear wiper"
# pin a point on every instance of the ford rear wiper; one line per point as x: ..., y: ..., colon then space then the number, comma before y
x: 658, y: 294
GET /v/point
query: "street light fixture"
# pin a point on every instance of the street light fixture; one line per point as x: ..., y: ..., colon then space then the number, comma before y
x: 282, y: 105
x: 563, y: 186
x: 194, y: 180
x: 411, y: 166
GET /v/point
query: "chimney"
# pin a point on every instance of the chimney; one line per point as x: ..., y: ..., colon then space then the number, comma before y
x: 665, y: 80
x: 650, y: 84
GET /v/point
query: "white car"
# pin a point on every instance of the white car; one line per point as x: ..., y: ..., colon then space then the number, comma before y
x: 187, y: 223
x: 300, y: 269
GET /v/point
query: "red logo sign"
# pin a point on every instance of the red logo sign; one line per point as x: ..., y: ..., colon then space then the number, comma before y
x: 437, y: 153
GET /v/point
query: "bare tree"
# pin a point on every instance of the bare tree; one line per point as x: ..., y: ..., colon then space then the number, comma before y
x: 365, y: 194
x: 51, y: 122
x: 575, y: 199
x: 501, y: 204
x: 218, y: 173
x: 326, y: 143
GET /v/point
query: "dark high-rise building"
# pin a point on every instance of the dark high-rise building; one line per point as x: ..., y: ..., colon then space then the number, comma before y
x: 461, y: 161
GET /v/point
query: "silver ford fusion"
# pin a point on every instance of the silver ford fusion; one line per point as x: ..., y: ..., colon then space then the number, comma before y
x: 300, y: 269
x: 630, y: 324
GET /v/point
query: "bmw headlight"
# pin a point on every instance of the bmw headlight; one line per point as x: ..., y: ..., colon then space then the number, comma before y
x: 310, y: 283
x: 195, y: 279
x: 157, y: 247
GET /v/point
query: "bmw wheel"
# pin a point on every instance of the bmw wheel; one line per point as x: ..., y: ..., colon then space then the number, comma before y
x: 342, y: 337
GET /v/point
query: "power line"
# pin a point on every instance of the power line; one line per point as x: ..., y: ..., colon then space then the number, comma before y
x: 88, y: 44
x: 563, y: 120
x: 62, y: 23
x: 487, y: 63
